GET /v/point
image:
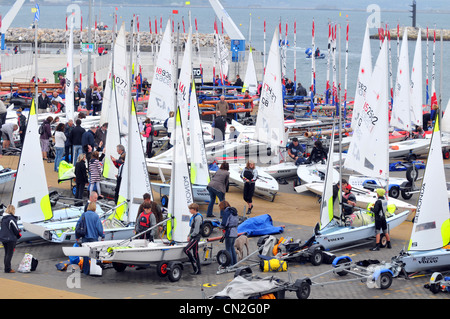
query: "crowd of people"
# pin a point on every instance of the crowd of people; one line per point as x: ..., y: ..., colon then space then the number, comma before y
x: 84, y: 148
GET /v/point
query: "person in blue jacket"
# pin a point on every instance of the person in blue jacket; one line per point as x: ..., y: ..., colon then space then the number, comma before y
x: 94, y: 231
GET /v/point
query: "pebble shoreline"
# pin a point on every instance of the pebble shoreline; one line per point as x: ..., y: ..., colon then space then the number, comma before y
x: 27, y: 35
x: 413, y: 33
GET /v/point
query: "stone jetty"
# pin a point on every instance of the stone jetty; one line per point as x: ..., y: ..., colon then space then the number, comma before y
x: 414, y: 32
x: 27, y: 35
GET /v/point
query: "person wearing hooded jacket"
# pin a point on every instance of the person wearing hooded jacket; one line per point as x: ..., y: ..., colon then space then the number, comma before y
x: 230, y: 222
x: 9, y: 234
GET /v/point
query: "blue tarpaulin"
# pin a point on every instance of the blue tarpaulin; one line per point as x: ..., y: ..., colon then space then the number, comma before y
x: 400, y: 166
x: 258, y: 226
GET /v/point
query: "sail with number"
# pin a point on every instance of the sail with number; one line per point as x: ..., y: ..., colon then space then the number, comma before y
x: 184, y: 83
x: 364, y: 74
x: 270, y: 120
x: 162, y: 94
x: 368, y: 150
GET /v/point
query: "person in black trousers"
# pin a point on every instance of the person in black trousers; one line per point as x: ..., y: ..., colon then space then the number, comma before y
x: 9, y: 234
x: 249, y: 175
x: 81, y: 177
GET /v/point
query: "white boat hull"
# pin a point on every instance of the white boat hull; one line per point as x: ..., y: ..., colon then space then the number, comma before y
x: 201, y: 194
x: 431, y: 260
x: 281, y: 170
x: 363, y: 197
x: 405, y: 148
x: 137, y: 252
x: 265, y: 185
x: 333, y: 236
x: 313, y: 173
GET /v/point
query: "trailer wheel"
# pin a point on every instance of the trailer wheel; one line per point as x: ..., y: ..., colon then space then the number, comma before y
x: 303, y: 291
x: 394, y: 192
x: 161, y: 269
x: 446, y: 154
x: 412, y: 173
x: 316, y: 257
x: 174, y: 272
x: 207, y: 228
x: 405, y: 192
x: 385, y: 280
x: 223, y: 258
x: 165, y: 201
x: 343, y: 261
x: 383, y: 240
x: 119, y: 267
x: 435, y: 286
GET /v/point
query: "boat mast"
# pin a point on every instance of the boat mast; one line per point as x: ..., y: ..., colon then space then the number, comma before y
x: 129, y: 148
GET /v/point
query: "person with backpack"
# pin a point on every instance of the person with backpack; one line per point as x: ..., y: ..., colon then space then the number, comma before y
x: 229, y: 224
x: 95, y: 172
x: 96, y: 101
x: 9, y: 234
x: 148, y: 134
x: 146, y: 220
x: 379, y: 210
x: 191, y: 249
x: 45, y: 135
x: 89, y: 228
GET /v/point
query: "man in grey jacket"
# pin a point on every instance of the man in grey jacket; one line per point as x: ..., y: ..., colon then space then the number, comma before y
x: 191, y: 249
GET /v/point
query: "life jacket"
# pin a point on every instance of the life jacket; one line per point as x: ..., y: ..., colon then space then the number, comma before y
x: 144, y: 220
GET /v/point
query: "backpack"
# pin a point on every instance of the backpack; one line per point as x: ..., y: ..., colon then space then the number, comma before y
x: 41, y: 129
x: 81, y: 229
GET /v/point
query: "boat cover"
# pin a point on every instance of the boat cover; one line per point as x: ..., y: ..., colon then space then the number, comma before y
x: 243, y: 288
x: 259, y: 226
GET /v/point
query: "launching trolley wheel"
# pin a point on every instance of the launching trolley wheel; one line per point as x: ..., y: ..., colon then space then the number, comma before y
x: 385, y: 280
x: 175, y: 272
x: 161, y: 269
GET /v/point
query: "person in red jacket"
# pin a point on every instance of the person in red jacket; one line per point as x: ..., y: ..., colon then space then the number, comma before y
x: 148, y: 134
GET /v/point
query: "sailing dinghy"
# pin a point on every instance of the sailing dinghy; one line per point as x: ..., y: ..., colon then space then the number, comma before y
x: 162, y: 252
x: 32, y: 200
x: 428, y: 247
